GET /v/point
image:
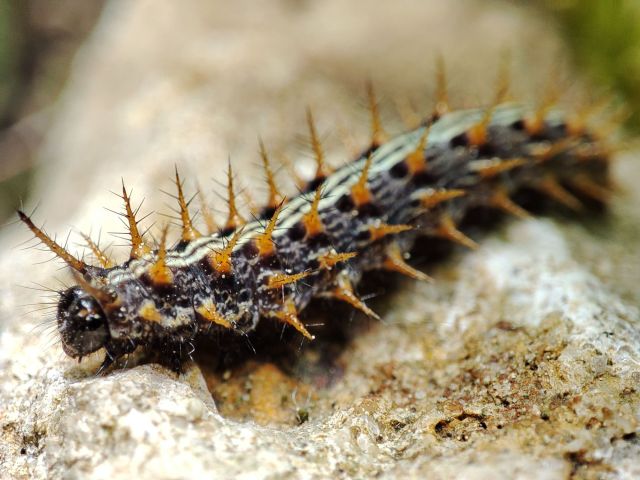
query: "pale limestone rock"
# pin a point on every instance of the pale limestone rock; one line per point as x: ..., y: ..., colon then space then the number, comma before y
x: 522, y: 361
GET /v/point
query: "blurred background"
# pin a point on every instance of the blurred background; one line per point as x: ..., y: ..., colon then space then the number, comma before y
x: 39, y: 38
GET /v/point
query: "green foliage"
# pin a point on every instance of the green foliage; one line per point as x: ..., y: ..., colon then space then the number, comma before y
x: 604, y: 36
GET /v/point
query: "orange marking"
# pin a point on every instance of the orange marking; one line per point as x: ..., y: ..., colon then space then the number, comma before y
x: 279, y: 280
x: 264, y: 242
x: 220, y: 260
x: 417, y: 161
x: 535, y: 123
x: 100, y: 255
x: 381, y: 230
x: 378, y: 136
x: 359, y: 191
x: 492, y: 168
x: 149, y: 312
x: 396, y: 263
x: 329, y: 259
x: 433, y: 197
x: 289, y: 315
x: 209, y: 312
x: 234, y: 219
x: 188, y: 231
x: 138, y: 247
x: 576, y: 125
x: 552, y: 188
x: 501, y: 201
x: 322, y: 171
x: 344, y: 292
x: 477, y: 134
x: 448, y: 230
x: 311, y: 220
x: 51, y: 244
x: 159, y: 273
x: 275, y: 198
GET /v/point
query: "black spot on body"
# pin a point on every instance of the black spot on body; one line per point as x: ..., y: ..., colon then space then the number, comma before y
x: 181, y: 245
x: 424, y: 179
x: 313, y: 185
x: 559, y: 129
x: 368, y: 209
x: 345, y: 203
x: 399, y: 170
x: 224, y: 282
x: 518, y: 125
x: 297, y: 232
x: 272, y: 262
x: 266, y: 213
x: 363, y: 236
x: 321, y: 239
x: 204, y: 266
x: 487, y: 149
x: 244, y: 295
x: 225, y: 232
x: 461, y: 140
x: 162, y: 289
x: 368, y: 151
x: 250, y: 250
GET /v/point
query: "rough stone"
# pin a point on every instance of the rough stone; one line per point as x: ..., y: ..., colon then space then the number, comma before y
x: 521, y: 361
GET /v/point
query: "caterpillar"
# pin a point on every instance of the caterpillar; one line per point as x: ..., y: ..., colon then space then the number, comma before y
x: 365, y: 216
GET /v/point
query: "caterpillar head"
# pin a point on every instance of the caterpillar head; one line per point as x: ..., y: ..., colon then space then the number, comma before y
x: 81, y: 322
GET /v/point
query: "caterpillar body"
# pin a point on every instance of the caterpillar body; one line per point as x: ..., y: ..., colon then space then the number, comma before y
x: 364, y: 216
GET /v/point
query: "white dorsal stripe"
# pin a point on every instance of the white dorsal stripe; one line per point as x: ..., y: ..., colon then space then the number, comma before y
x: 442, y: 131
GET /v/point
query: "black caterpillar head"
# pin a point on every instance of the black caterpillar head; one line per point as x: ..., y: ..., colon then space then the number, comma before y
x: 81, y: 322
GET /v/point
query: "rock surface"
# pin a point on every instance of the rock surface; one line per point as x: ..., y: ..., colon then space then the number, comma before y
x: 522, y: 361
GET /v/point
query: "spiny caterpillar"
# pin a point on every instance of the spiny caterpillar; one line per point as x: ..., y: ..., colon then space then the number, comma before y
x: 364, y: 216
